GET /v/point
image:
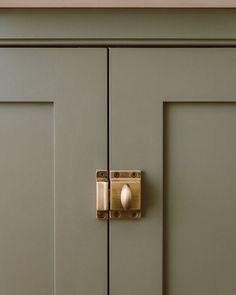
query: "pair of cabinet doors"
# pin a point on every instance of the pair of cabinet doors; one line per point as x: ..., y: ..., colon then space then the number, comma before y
x: 66, y: 112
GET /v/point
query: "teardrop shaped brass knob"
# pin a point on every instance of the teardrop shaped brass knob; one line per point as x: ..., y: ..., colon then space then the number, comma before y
x: 126, y: 196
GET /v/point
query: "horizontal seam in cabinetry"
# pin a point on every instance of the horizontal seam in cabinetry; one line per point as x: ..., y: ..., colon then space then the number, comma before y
x: 104, y: 43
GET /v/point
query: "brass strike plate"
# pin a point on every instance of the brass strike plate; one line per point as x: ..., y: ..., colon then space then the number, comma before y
x: 102, y: 198
x: 125, y: 194
x: 123, y: 199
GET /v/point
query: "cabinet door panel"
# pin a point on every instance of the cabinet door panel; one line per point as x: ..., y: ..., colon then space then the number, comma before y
x: 52, y: 141
x: 169, y: 105
x: 200, y: 145
x: 26, y: 190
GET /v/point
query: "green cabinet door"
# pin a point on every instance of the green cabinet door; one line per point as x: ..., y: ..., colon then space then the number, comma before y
x: 173, y: 115
x: 52, y: 139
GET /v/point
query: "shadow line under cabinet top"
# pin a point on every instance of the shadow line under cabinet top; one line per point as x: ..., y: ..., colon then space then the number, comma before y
x: 117, y: 4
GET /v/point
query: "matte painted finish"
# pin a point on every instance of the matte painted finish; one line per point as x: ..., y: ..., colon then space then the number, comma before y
x: 141, y: 81
x: 26, y: 198
x: 148, y: 24
x: 74, y: 80
x: 200, y: 198
x: 136, y: 143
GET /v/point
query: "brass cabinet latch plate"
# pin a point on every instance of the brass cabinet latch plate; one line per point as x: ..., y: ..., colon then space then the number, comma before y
x: 119, y: 195
x: 102, y: 198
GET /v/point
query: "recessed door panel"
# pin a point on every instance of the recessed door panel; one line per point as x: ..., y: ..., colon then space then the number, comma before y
x: 26, y: 198
x: 200, y: 198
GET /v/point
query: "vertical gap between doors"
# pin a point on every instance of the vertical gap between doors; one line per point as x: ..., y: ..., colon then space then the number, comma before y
x: 108, y: 167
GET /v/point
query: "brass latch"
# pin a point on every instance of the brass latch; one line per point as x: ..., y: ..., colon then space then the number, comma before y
x: 102, y: 201
x: 119, y: 195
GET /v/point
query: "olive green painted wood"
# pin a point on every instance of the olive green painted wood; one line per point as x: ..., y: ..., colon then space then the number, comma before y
x: 142, y: 80
x: 53, y: 138
x: 26, y: 198
x: 118, y: 23
x: 200, y: 195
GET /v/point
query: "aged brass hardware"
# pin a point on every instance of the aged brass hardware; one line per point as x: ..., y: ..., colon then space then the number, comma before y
x: 123, y: 199
x: 125, y: 194
x: 102, y: 200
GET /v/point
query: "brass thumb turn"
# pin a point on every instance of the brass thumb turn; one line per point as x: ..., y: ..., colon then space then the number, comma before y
x: 126, y: 196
